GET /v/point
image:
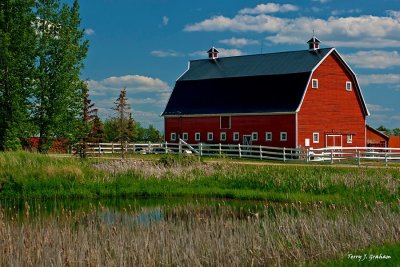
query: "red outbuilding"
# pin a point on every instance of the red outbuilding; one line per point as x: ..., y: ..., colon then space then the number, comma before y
x: 308, y: 98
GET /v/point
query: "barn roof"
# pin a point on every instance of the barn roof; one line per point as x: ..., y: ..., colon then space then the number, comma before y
x: 254, y: 65
x: 263, y: 83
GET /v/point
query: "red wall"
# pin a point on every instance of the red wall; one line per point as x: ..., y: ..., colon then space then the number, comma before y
x: 245, y: 125
x: 330, y: 108
x: 394, y: 141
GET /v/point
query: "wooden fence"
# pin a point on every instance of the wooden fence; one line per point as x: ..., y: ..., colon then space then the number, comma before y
x: 353, y: 155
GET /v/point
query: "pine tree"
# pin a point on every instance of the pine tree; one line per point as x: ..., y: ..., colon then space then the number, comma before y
x: 122, y: 110
x: 17, y: 55
x: 87, y: 116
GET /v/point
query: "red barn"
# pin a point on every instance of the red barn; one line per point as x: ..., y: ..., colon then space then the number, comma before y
x: 308, y: 98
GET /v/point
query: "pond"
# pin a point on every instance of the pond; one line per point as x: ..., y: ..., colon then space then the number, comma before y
x: 189, y: 232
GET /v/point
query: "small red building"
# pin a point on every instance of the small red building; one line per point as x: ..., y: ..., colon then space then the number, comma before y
x: 308, y: 98
x: 376, y: 138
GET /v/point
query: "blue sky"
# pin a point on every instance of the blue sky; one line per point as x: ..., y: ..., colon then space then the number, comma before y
x: 146, y: 45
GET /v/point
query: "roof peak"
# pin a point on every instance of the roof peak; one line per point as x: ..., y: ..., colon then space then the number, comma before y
x: 264, y: 54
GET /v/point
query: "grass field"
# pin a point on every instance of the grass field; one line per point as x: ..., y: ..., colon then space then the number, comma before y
x: 38, y: 176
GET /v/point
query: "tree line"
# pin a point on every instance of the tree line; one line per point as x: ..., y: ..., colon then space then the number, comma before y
x: 41, y: 59
x: 42, y: 50
x: 387, y: 131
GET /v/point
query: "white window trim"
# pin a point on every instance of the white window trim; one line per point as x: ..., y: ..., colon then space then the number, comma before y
x: 266, y: 136
x: 349, y: 86
x: 238, y: 136
x: 312, y: 83
x: 208, y: 136
x: 173, y: 137
x: 254, y: 134
x: 349, y: 138
x: 197, y: 136
x: 220, y: 122
x: 313, y: 138
x: 283, y: 133
x: 185, y: 136
x: 222, y: 134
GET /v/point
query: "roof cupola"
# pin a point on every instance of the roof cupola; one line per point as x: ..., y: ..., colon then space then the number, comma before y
x: 313, y: 43
x: 213, y: 53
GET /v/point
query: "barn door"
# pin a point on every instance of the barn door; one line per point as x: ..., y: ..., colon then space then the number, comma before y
x: 247, y: 140
x: 333, y: 140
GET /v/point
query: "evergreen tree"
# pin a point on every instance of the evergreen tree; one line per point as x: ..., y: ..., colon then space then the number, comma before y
x: 87, y: 117
x: 122, y: 110
x: 58, y: 89
x: 17, y: 55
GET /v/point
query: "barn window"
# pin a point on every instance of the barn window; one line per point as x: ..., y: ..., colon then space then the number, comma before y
x: 173, y: 136
x: 283, y: 136
x: 315, y: 138
x: 348, y: 86
x: 315, y: 83
x: 225, y: 122
x: 222, y: 136
x: 268, y: 136
x: 349, y: 139
x: 197, y: 136
x: 236, y: 136
x: 254, y: 136
x: 185, y: 136
x: 210, y: 136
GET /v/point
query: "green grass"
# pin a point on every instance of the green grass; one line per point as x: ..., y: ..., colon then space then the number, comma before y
x: 38, y: 176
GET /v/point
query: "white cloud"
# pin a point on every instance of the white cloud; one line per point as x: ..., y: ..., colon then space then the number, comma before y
x: 89, y: 31
x: 378, y: 108
x: 374, y: 59
x: 244, y: 23
x: 382, y: 31
x: 133, y: 84
x: 379, y: 79
x: 321, y: 1
x: 239, y: 42
x: 269, y: 8
x: 165, y: 20
x: 166, y: 53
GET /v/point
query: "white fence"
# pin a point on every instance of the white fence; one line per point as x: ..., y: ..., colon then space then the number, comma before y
x: 354, y: 155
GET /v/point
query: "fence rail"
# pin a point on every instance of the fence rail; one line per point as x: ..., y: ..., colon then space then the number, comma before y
x: 354, y: 155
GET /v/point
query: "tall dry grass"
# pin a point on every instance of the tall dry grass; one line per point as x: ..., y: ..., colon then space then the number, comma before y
x: 195, y: 236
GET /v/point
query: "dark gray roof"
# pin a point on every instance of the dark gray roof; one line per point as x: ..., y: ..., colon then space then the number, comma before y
x: 255, y: 65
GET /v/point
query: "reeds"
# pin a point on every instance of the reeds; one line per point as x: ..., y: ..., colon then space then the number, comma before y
x: 280, y: 235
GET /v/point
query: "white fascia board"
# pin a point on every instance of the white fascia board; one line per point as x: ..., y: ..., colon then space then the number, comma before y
x: 188, y: 67
x: 231, y: 114
x: 309, y: 79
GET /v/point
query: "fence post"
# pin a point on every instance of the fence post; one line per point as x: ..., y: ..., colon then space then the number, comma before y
x: 99, y: 149
x: 386, y: 159
x: 307, y: 155
x: 180, y: 147
x: 261, y: 153
x: 112, y: 148
x: 284, y: 154
x: 240, y: 151
x: 166, y: 147
x: 359, y: 157
x: 220, y: 150
x: 331, y: 156
x: 201, y: 149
